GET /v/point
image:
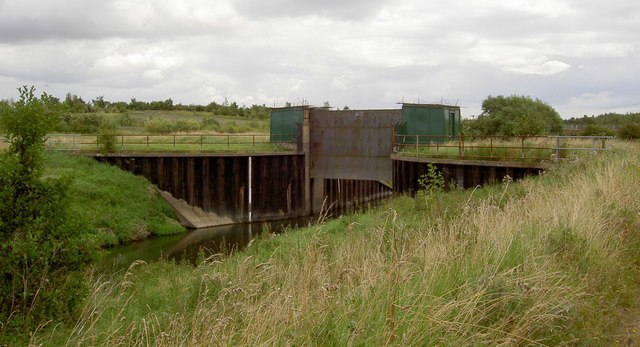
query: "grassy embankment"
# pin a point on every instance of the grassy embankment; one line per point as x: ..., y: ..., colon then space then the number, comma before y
x: 110, y: 205
x: 545, y: 261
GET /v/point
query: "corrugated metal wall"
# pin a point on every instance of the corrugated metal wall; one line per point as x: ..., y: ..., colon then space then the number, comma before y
x: 352, y: 144
x: 433, y: 120
x: 219, y: 184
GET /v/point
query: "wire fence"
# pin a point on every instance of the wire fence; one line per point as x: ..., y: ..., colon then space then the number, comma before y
x: 168, y: 143
x: 499, y: 148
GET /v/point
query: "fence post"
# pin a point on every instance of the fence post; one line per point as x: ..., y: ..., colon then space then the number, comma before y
x: 417, y: 145
x: 147, y: 143
x: 557, y: 148
x: 522, y: 148
x: 174, y: 141
x: 491, y: 147
x: 393, y: 139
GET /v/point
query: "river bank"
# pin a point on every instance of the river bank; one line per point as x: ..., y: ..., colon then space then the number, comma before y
x: 548, y: 260
x: 109, y: 205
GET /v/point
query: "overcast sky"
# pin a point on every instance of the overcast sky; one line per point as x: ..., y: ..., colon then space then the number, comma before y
x: 580, y: 56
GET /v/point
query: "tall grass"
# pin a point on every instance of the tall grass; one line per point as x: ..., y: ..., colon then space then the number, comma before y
x: 546, y: 261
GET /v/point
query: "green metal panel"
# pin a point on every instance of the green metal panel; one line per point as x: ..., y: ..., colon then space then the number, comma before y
x: 286, y: 124
x: 434, y: 120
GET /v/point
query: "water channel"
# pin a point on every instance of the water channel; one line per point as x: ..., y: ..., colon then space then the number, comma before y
x: 189, y: 246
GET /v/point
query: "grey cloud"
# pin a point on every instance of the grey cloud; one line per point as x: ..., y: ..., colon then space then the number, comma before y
x: 94, y: 20
x: 336, y: 9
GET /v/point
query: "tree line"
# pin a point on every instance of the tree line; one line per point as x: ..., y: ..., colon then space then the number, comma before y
x: 518, y: 115
x: 75, y: 104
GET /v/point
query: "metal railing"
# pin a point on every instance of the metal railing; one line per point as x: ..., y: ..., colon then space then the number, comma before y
x: 499, y: 148
x: 168, y: 143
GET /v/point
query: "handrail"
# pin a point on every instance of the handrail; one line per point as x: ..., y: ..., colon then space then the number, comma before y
x: 170, y: 142
x: 501, y: 148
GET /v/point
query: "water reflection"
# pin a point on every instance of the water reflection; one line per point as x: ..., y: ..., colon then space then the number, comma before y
x: 197, y: 243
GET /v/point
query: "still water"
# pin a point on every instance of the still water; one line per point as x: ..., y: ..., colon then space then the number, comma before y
x: 196, y: 243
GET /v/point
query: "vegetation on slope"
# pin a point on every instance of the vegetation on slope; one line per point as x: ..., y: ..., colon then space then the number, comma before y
x: 547, y: 260
x: 111, y: 205
x: 54, y: 213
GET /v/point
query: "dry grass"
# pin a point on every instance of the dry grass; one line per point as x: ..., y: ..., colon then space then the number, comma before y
x: 541, y: 262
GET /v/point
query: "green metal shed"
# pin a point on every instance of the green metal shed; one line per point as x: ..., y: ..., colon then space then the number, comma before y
x: 437, y: 121
x: 286, y: 123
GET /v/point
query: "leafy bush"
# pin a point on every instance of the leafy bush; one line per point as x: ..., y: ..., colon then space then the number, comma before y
x: 158, y: 126
x: 41, y: 254
x: 186, y: 125
x: 125, y: 120
x: 107, y: 138
x: 87, y: 123
x: 629, y: 131
x: 596, y: 130
x: 211, y: 123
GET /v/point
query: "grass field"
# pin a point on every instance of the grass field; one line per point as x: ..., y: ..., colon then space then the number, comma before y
x: 549, y: 260
x: 142, y: 122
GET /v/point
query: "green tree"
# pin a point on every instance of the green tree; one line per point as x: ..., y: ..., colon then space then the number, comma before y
x: 515, y: 116
x: 596, y: 130
x: 629, y: 131
x: 41, y: 254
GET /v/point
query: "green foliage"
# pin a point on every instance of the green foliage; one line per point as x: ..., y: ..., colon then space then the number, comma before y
x: 629, y: 131
x: 158, y: 126
x: 125, y: 120
x: 41, y: 254
x: 596, y: 130
x: 431, y: 185
x: 186, y: 126
x: 515, y: 116
x: 107, y: 138
x: 87, y: 123
x: 75, y: 104
x: 211, y: 123
x: 112, y: 205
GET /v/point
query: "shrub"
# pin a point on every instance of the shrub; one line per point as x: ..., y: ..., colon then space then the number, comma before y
x: 210, y: 123
x: 158, y: 126
x: 596, y: 130
x: 186, y: 125
x: 629, y: 131
x: 86, y: 123
x: 125, y: 120
x: 107, y: 138
x: 42, y: 255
